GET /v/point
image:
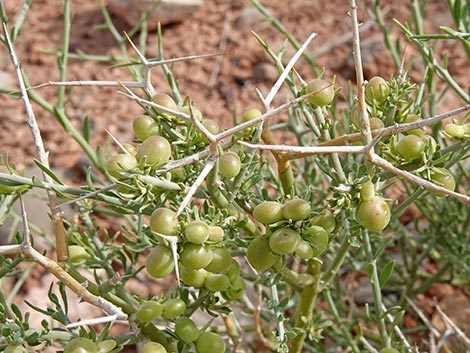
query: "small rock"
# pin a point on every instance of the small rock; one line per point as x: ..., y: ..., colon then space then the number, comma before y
x: 248, y: 19
x: 363, y: 292
x: 264, y: 72
x: 168, y: 11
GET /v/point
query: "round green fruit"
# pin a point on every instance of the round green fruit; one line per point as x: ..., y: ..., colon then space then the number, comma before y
x: 221, y: 260
x: 186, y: 329
x: 81, y: 345
x: 412, y: 118
x: 149, y: 311
x: 164, y: 221
x: 119, y: 164
x: 144, y: 126
x: 444, y: 178
x: 259, y: 254
x: 268, y: 212
x: 173, y: 308
x: 153, y: 347
x: 156, y: 150
x: 217, y: 282
x: 211, y: 125
x: 196, y: 256
x: 165, y: 101
x: 304, y: 250
x: 192, y: 277
x: 216, y: 234
x: 377, y: 90
x: 325, y: 220
x: 318, y: 238
x: 374, y: 214
x: 325, y: 92
x: 196, y: 112
x: 210, y: 342
x: 160, y: 262
x: 410, y: 147
x: 106, y: 346
x: 296, y: 209
x: 250, y: 114
x: 284, y: 241
x: 229, y: 164
x: 196, y: 232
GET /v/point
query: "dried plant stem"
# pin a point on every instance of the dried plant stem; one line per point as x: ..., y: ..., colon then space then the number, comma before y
x: 396, y: 129
x: 384, y: 164
x: 450, y: 324
x: 60, y: 236
x: 222, y: 46
x: 55, y: 269
x: 272, y: 93
x: 364, y: 117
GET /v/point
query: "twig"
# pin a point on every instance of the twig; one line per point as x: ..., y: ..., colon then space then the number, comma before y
x: 449, y: 323
x: 398, y: 331
x: 342, y: 40
x: 56, y: 270
x: 60, y: 236
x: 90, y: 83
x: 364, y: 117
x: 222, y: 46
x: 138, y: 99
x: 304, y: 151
x: 397, y: 128
x: 197, y: 183
x: 423, y: 317
x: 380, y: 162
x: 289, y: 66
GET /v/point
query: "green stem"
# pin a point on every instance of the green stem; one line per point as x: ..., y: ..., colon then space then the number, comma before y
x: 326, y: 137
x: 386, y: 33
x: 296, y: 280
x: 379, y: 317
x: 221, y: 201
x: 431, y: 60
x: 9, y: 179
x: 63, y: 57
x: 344, y: 330
x: 417, y: 17
x: 70, y: 129
x: 95, y: 289
x: 306, y: 305
x: 340, y: 254
x: 280, y: 27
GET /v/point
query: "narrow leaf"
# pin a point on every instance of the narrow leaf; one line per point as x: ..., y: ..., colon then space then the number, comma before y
x: 368, y: 270
x: 48, y: 172
x: 86, y: 129
x: 386, y: 273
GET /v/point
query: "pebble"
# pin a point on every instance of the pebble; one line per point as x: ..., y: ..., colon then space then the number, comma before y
x: 168, y: 11
x: 248, y: 19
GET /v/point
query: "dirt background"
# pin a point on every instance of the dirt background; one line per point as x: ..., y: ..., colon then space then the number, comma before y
x: 243, y: 67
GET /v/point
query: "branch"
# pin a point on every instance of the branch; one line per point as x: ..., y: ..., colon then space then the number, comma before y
x: 60, y: 236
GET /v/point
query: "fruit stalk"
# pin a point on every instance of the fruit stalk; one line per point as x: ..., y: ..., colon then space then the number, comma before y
x: 306, y: 305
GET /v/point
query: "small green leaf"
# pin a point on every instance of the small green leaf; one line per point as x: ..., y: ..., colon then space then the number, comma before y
x: 386, y: 273
x: 48, y: 172
x: 86, y: 129
x: 368, y: 269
